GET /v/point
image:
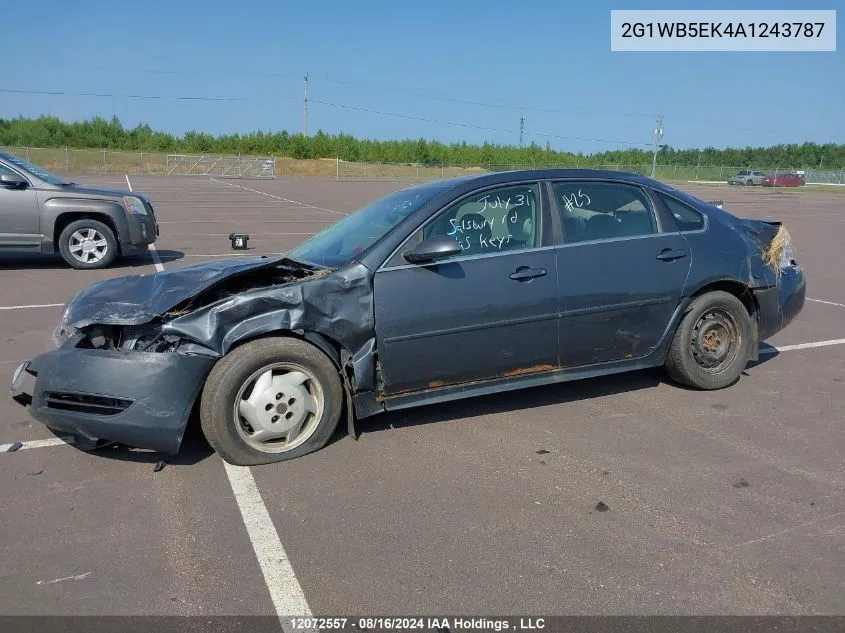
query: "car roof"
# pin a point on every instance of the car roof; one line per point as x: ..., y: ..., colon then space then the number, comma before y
x: 519, y: 175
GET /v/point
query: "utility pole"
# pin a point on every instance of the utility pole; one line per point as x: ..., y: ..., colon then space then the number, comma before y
x: 658, y: 136
x: 521, y: 129
x: 305, y: 108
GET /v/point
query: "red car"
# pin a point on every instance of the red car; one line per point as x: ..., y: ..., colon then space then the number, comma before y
x: 783, y: 180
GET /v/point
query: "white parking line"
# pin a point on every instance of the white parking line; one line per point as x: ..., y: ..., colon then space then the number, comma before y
x: 285, y: 590
x: 150, y: 247
x: 233, y: 255
x: 156, y: 258
x: 53, y: 441
x: 789, y: 348
x: 227, y: 234
x: 270, y: 195
x: 830, y: 303
x: 36, y: 305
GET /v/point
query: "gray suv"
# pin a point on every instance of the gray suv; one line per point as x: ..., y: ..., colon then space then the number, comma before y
x: 42, y: 213
x: 747, y: 177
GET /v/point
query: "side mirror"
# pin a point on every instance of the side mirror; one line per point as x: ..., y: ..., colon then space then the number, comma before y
x: 11, y: 181
x: 432, y: 249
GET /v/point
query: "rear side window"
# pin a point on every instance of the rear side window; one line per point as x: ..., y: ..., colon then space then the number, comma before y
x: 591, y: 211
x: 686, y: 218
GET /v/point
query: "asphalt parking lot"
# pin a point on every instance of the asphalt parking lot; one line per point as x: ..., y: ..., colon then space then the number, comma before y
x: 730, y: 502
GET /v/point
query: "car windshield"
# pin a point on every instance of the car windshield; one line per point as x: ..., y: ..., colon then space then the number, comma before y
x: 348, y: 240
x: 35, y: 170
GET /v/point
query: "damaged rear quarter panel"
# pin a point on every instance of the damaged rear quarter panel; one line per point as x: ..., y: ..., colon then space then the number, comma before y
x: 726, y: 252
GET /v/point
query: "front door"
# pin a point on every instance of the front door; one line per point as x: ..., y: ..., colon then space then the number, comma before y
x: 19, y: 217
x: 621, y: 272
x: 488, y: 312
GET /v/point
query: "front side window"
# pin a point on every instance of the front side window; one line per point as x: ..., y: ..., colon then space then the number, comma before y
x: 40, y: 172
x: 602, y: 211
x: 496, y: 220
x: 5, y: 171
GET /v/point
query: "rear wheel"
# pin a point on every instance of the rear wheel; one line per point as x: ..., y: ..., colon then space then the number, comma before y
x: 271, y: 400
x: 749, y: 182
x: 87, y: 244
x: 712, y: 344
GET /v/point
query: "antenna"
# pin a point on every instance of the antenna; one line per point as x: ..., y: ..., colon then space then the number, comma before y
x: 521, y: 129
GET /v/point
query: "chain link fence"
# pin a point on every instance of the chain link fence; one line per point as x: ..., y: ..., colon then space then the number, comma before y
x: 87, y: 161
x: 671, y: 173
x: 81, y: 161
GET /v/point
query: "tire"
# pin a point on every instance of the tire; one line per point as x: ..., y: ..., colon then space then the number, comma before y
x: 748, y: 183
x: 103, y: 244
x: 688, y: 358
x: 235, y: 377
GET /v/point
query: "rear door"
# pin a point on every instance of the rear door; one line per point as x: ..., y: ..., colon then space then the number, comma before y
x: 19, y: 216
x: 489, y: 312
x: 622, y: 269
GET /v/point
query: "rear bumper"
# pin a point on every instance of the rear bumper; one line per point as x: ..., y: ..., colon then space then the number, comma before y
x: 781, y: 304
x: 135, y: 398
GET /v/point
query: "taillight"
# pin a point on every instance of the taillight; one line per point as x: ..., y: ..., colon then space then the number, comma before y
x: 787, y: 255
x: 780, y: 254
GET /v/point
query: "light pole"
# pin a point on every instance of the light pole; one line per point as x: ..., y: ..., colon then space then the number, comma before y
x: 658, y: 136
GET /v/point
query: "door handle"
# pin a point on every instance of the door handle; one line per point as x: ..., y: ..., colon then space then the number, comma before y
x: 667, y: 255
x: 524, y: 273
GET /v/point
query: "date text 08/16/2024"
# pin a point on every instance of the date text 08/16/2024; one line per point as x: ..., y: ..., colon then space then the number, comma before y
x: 417, y: 624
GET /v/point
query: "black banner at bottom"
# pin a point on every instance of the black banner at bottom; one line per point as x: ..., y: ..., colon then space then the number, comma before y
x: 426, y: 623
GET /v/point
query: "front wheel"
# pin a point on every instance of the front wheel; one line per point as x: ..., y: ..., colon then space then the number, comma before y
x: 712, y: 344
x: 88, y: 244
x: 271, y: 400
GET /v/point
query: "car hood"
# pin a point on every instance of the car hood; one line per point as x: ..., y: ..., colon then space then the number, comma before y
x: 136, y: 299
x: 82, y: 190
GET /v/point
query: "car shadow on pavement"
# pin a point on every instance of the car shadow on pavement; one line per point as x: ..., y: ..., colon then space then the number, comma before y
x: 767, y: 353
x: 167, y: 256
x: 193, y: 450
x: 533, y: 397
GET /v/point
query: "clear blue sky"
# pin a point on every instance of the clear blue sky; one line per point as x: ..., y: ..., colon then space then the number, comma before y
x: 390, y: 56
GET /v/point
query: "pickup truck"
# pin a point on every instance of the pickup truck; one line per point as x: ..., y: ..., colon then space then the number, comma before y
x: 42, y: 213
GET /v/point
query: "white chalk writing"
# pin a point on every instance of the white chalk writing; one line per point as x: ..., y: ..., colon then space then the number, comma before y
x: 462, y: 225
x: 575, y: 200
x: 502, y: 203
x: 486, y: 242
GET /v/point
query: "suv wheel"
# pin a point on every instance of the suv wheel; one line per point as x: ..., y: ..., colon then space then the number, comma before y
x: 88, y: 244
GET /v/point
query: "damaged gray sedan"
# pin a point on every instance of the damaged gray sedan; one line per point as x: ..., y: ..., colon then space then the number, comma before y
x: 441, y: 291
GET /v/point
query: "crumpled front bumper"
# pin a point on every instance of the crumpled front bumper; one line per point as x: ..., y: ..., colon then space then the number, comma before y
x: 141, y: 399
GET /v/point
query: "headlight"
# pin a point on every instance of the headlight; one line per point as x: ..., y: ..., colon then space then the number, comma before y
x: 134, y: 205
x: 62, y: 334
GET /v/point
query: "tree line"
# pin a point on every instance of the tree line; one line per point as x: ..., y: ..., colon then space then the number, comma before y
x: 100, y: 133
